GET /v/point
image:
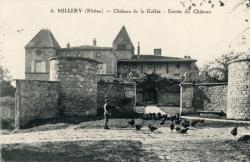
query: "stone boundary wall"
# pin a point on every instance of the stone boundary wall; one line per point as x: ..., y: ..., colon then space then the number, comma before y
x: 210, y: 97
x: 35, y: 100
x: 120, y: 94
x: 7, y: 112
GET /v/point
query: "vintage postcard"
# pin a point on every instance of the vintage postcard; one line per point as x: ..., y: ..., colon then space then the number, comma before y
x: 95, y: 80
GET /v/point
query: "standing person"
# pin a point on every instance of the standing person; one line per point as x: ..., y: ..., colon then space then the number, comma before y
x: 107, y: 113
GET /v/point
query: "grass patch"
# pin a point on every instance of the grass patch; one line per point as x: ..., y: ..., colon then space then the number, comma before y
x: 88, y: 150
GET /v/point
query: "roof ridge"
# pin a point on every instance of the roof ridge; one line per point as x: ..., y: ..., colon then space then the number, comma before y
x: 50, y: 37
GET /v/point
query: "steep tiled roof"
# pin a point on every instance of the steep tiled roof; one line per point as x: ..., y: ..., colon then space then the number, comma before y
x: 87, y: 47
x: 153, y: 58
x: 43, y: 39
x: 123, y: 34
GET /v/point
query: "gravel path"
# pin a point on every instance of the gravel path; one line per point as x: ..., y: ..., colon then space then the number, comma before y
x: 200, y: 144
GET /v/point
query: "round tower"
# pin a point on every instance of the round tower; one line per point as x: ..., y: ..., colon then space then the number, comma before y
x: 238, y: 99
x: 78, y: 84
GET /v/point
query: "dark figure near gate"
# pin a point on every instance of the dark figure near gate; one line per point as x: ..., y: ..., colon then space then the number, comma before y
x: 107, y: 112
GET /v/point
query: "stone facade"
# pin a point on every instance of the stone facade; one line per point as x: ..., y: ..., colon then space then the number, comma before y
x: 104, y: 55
x: 174, y: 70
x: 121, y: 94
x: 238, y: 104
x: 34, y: 56
x: 210, y: 97
x: 35, y: 100
x: 78, y: 84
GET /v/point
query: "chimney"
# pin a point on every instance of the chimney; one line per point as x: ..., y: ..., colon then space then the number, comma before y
x: 157, y: 51
x: 94, y: 42
x: 68, y: 45
x: 138, y: 49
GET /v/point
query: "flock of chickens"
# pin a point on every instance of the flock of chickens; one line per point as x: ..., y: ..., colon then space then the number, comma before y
x: 178, y: 124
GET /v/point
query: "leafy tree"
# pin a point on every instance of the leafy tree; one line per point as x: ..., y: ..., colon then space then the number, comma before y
x: 4, y: 74
x: 217, y: 70
x: 6, y: 89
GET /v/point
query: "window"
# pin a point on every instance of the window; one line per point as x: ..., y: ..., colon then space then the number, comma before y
x: 98, y: 55
x: 159, y: 66
x: 102, y: 68
x: 38, y: 52
x: 121, y: 47
x: 125, y: 66
x: 150, y: 66
x: 134, y: 66
x: 38, y: 66
x: 124, y: 76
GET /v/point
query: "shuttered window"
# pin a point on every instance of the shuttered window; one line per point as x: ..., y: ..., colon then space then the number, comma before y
x: 38, y: 66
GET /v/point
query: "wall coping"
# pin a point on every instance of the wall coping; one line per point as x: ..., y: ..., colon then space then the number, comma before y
x: 23, y: 80
x: 129, y: 83
x: 183, y: 83
x: 210, y: 84
x: 105, y: 74
x: 73, y: 58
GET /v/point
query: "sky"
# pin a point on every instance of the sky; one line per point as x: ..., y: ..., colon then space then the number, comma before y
x: 201, y: 36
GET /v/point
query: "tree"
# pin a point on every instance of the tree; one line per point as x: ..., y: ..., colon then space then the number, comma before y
x: 217, y: 70
x: 4, y: 74
x: 6, y: 89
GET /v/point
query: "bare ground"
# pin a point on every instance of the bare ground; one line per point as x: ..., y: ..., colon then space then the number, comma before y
x: 210, y: 141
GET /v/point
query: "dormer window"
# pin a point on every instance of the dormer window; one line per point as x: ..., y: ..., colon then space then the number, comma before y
x: 38, y: 52
x: 121, y: 47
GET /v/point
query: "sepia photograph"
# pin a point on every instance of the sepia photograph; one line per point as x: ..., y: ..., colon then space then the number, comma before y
x: 125, y: 81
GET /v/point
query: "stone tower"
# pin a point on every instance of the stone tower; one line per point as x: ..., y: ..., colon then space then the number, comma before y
x: 123, y: 46
x: 37, y: 53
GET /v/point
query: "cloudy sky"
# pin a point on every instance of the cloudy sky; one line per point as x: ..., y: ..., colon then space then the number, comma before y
x: 202, y: 36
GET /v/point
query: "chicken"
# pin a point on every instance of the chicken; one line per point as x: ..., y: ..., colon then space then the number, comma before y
x: 184, y: 131
x: 194, y: 122
x: 138, y: 126
x: 201, y: 121
x: 152, y: 128
x: 177, y: 121
x: 154, y: 116
x: 185, y: 124
x: 178, y: 129
x: 244, y: 138
x: 159, y: 115
x: 131, y: 122
x: 172, y: 127
x: 163, y: 121
x: 234, y: 132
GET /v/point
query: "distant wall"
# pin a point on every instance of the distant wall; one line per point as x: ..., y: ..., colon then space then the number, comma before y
x: 35, y: 100
x: 7, y: 112
x: 169, y: 99
x: 121, y: 94
x: 210, y: 97
x: 164, y: 98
